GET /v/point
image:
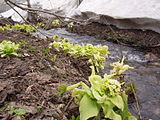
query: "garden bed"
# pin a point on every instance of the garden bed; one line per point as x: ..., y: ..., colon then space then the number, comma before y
x: 30, y: 82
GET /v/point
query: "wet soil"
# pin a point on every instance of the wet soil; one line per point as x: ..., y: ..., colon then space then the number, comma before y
x: 30, y: 82
x: 146, y: 40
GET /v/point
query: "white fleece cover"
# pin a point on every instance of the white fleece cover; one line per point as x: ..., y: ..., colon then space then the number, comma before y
x: 126, y: 14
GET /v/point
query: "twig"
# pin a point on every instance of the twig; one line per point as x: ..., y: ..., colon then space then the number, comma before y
x: 67, y: 106
x: 24, y: 18
x: 137, y: 103
x: 16, y: 11
x: 61, y: 113
x: 28, y: 2
x: 29, y: 13
x: 153, y: 46
x: 43, y: 11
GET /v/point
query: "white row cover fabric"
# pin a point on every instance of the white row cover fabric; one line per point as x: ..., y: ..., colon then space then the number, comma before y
x: 64, y: 7
x: 120, y: 9
x: 128, y: 14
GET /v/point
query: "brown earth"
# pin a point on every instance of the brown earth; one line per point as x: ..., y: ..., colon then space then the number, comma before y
x: 147, y: 41
x: 30, y: 82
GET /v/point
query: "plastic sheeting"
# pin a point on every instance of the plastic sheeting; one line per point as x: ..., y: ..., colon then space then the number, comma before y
x: 127, y: 14
x: 63, y: 7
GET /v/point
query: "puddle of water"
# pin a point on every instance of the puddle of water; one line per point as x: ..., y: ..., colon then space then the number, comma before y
x: 145, y: 77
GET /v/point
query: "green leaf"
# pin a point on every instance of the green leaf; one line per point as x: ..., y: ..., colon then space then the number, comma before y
x: 124, y: 113
x: 62, y: 89
x: 18, y: 112
x: 14, y: 53
x: 73, y: 86
x: 74, y: 118
x: 132, y: 118
x: 88, y: 108
x: 117, y: 101
x: 38, y: 107
x: 108, y: 111
x: 84, y: 86
x: 96, y: 94
x: 8, y: 48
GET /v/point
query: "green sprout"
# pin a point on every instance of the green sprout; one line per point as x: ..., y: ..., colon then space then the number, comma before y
x: 74, y: 118
x: 8, y: 48
x: 18, y: 112
x: 56, y: 23
x: 23, y: 27
x: 40, y: 24
x: 96, y: 54
x: 70, y: 25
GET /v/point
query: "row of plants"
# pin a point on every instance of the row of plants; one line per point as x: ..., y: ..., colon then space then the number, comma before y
x: 23, y: 27
x: 32, y: 28
x: 96, y: 54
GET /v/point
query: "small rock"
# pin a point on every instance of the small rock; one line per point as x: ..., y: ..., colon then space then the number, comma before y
x: 151, y: 57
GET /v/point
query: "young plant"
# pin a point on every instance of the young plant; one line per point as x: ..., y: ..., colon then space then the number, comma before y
x: 24, y: 27
x: 8, y: 48
x: 105, y: 94
x: 97, y: 55
x: 119, y: 67
x: 74, y: 118
x: 6, y: 27
x: 40, y: 25
x: 70, y: 25
x: 56, y: 23
x: 1, y: 28
x: 18, y: 112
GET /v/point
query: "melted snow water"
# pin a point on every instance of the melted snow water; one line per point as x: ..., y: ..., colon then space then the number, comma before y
x: 146, y: 77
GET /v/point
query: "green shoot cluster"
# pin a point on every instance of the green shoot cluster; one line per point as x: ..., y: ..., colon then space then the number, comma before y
x: 97, y: 54
x: 105, y: 94
x: 8, y: 48
x: 56, y: 22
x: 23, y: 27
x: 70, y: 25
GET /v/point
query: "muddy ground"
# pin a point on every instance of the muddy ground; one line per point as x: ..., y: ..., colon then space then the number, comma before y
x: 30, y: 82
x: 147, y: 41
